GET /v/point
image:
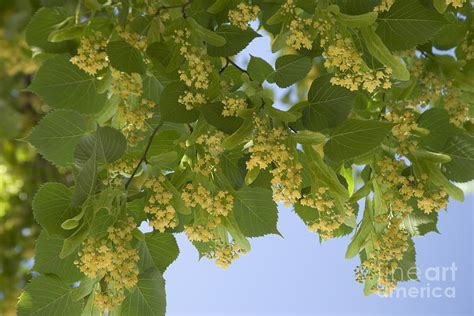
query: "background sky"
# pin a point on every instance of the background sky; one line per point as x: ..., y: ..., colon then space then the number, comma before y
x: 296, y: 275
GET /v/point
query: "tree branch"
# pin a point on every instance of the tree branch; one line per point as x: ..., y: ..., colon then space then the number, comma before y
x: 143, y: 159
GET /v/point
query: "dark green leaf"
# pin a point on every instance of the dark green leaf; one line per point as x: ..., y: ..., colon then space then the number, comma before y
x: 56, y: 136
x: 125, y: 57
x: 329, y: 105
x: 407, y: 24
x: 355, y: 138
x: 64, y: 86
x: 255, y: 212
x: 290, y: 69
x: 236, y: 40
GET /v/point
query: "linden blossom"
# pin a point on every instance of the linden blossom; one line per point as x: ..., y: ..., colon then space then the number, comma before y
x: 341, y: 55
x: 232, y: 106
x: 195, y: 74
x: 456, y: 3
x: 91, y: 56
x: 269, y: 147
x: 243, y: 15
x: 116, y: 259
x: 159, y: 205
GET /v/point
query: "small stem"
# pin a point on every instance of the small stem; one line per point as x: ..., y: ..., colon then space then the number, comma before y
x: 182, y: 6
x: 230, y: 61
x: 225, y: 66
x: 143, y: 159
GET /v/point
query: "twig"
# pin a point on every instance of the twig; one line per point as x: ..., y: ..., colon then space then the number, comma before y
x: 182, y: 6
x: 143, y: 159
x: 230, y: 61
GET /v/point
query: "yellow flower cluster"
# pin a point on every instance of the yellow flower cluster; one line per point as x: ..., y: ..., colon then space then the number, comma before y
x: 406, y: 124
x: 385, y: 5
x: 434, y: 89
x: 204, y: 232
x: 197, y: 71
x: 456, y: 3
x: 219, y: 204
x: 399, y: 189
x: 299, y: 36
x: 126, y: 86
x: 458, y: 110
x: 342, y: 57
x: 208, y: 155
x: 118, y: 169
x: 91, y: 56
x: 382, y: 262
x: 269, y: 148
x: 115, y: 260
x: 14, y: 58
x: 232, y: 106
x: 225, y: 254
x: 136, y: 40
x: 209, y: 209
x: 243, y: 15
x: 329, y: 219
x: 159, y: 205
x: 134, y: 121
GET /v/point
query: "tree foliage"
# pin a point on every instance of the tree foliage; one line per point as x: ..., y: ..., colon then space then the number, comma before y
x: 152, y: 113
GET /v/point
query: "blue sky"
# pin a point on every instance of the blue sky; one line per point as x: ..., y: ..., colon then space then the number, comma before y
x: 296, y: 275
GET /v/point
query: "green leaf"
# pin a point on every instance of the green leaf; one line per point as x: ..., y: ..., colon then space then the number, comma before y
x: 233, y: 167
x: 259, y: 69
x: 72, y: 243
x: 213, y: 114
x: 48, y: 296
x: 173, y: 111
x: 164, y: 141
x: 290, y: 69
x: 57, y: 134
x: 329, y: 105
x: 407, y: 24
x: 440, y: 5
x: 377, y: 49
x: 361, y: 20
x: 461, y: 150
x: 255, y: 212
x: 436, y: 120
x: 158, y: 250
x: 45, y: 21
x: 239, y: 136
x: 47, y: 259
x: 51, y: 207
x: 417, y: 223
x: 148, y: 298
x: 357, y: 6
x: 218, y: 6
x: 86, y: 180
x: 355, y: 138
x: 64, y: 86
x: 406, y: 267
x: 125, y: 57
x: 439, y: 179
x: 236, y: 40
x: 363, y: 233
x: 207, y: 35
x: 107, y: 143
x: 68, y: 33
x: 308, y: 138
x: 322, y: 174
